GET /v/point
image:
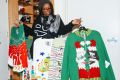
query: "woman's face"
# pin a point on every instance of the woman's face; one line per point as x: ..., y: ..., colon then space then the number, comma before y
x: 46, y: 9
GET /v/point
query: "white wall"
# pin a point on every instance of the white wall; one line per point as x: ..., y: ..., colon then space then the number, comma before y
x: 60, y: 8
x: 3, y: 40
x: 101, y: 15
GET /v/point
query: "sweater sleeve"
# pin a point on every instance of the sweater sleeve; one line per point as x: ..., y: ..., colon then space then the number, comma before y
x: 108, y: 66
x: 64, y: 29
x: 28, y: 31
x: 37, y: 21
x: 65, y: 64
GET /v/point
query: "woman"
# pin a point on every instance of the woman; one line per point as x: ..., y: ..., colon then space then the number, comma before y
x: 48, y: 25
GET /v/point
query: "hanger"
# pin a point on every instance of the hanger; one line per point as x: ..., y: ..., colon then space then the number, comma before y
x: 82, y: 27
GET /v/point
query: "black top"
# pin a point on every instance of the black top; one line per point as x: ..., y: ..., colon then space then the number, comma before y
x: 45, y: 32
x: 63, y: 29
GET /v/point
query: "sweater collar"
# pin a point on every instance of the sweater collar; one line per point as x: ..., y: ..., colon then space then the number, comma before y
x: 79, y: 33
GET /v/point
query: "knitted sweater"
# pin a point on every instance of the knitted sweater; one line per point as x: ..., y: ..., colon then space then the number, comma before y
x: 48, y: 58
x: 85, y: 57
x: 17, y: 49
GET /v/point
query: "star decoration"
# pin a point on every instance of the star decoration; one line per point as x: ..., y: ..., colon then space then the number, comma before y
x: 42, y: 53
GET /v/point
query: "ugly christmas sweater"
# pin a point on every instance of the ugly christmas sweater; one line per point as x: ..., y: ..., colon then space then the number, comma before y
x: 85, y: 57
x: 17, y: 49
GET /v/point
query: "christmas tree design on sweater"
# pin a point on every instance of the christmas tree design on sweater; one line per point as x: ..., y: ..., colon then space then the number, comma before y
x: 85, y: 57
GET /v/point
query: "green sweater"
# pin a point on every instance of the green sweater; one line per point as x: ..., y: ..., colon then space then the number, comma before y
x: 78, y: 59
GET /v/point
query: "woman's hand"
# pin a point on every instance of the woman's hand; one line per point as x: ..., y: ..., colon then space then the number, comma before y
x: 17, y: 23
x: 76, y: 22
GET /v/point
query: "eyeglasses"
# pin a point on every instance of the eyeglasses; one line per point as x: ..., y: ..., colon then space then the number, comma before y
x: 46, y: 8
